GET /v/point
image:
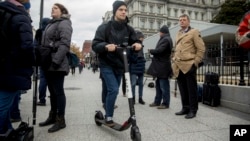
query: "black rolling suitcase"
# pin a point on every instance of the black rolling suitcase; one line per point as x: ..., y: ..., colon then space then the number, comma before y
x: 211, y: 94
x: 212, y: 78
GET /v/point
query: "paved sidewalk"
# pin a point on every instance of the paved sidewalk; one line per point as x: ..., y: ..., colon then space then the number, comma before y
x: 83, y: 92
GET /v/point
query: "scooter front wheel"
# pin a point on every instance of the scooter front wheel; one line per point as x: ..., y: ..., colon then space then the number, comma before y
x: 98, y: 116
x: 135, y: 134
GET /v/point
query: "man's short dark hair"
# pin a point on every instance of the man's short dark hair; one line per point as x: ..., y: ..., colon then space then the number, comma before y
x: 184, y: 15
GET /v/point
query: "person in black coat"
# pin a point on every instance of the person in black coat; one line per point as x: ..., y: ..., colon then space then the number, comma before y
x: 42, y: 88
x: 160, y: 68
x: 136, y: 69
x: 16, y: 68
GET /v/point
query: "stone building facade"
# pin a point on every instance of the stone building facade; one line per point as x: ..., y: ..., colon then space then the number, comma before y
x: 149, y: 15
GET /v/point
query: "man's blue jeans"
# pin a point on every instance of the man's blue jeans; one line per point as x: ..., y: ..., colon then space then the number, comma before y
x: 104, y: 91
x: 15, y: 111
x: 112, y: 81
x: 6, y: 101
x: 134, y: 78
x: 162, y: 91
x: 42, y: 87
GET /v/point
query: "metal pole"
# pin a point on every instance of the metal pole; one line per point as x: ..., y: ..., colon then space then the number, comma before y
x: 242, y: 81
x: 41, y: 14
x: 221, y: 54
x: 35, y: 75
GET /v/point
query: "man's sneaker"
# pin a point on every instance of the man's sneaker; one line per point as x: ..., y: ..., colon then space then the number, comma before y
x: 41, y: 103
x: 162, y: 107
x: 109, y: 122
x: 154, y: 105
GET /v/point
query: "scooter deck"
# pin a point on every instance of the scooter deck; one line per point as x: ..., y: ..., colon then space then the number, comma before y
x: 116, y: 126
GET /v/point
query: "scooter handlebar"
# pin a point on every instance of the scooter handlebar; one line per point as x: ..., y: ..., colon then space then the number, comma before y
x: 127, y: 47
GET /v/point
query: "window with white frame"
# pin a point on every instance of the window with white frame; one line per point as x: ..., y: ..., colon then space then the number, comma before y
x: 142, y: 23
x: 196, y: 15
x: 182, y: 11
x: 169, y: 11
x: 151, y: 24
x: 176, y: 12
x: 151, y: 8
x: 169, y: 24
x: 158, y: 25
x: 143, y: 8
x: 189, y: 13
x: 159, y: 9
x: 202, y: 16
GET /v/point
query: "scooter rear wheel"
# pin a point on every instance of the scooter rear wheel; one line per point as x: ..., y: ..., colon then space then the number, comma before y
x: 135, y: 134
x: 99, y: 116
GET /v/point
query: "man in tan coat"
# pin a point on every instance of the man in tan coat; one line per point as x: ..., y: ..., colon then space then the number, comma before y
x: 188, y: 54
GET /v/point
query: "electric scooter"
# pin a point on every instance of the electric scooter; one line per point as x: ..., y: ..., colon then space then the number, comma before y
x: 99, y: 118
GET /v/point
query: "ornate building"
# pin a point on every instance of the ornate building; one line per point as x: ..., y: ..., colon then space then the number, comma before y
x: 149, y: 15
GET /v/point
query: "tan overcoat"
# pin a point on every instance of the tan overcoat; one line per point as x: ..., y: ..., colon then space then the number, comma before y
x: 189, y: 49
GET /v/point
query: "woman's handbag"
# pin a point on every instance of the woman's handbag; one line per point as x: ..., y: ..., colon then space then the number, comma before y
x: 43, y: 57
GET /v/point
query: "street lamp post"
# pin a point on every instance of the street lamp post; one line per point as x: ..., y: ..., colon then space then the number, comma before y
x: 41, y: 14
x: 35, y: 76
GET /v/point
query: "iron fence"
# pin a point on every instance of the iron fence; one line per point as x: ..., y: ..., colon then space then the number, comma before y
x: 229, y: 61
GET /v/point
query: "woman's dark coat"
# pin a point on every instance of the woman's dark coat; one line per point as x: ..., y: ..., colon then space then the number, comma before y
x: 58, y: 34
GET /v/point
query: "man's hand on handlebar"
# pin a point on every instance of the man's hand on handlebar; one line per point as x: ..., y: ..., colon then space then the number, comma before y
x: 110, y: 47
x: 137, y: 46
x: 113, y: 47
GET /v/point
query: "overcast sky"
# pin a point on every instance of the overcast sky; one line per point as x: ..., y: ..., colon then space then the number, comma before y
x: 86, y: 15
